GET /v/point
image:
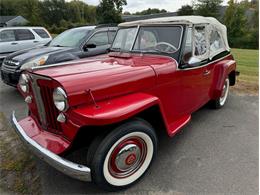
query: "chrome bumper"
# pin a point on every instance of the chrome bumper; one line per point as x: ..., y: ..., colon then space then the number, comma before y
x: 69, y: 168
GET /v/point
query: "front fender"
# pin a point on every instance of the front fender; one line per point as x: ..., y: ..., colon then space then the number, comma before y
x: 114, y: 110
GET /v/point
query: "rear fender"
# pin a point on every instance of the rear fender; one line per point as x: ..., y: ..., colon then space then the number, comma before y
x: 221, y: 72
x: 114, y: 110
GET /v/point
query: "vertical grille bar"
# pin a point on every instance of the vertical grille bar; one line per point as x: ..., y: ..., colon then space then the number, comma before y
x: 42, y: 89
x: 50, y: 109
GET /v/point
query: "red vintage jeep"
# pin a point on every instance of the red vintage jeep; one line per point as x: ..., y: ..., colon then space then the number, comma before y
x: 111, y: 107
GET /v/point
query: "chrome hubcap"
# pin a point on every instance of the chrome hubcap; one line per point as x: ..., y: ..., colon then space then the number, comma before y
x: 127, y: 157
x: 224, y: 93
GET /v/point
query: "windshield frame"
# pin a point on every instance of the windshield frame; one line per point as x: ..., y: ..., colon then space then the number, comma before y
x: 138, y: 27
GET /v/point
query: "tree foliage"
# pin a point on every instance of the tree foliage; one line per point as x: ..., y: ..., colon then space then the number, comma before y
x: 56, y: 15
x: 109, y: 11
x: 242, y: 31
x: 150, y: 11
x: 208, y: 8
x: 185, y: 10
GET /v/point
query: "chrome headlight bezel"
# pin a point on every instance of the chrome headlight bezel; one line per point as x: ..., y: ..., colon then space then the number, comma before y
x: 24, y: 82
x: 60, y: 99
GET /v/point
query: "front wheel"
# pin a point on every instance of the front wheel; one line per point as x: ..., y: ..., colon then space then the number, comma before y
x: 124, y: 155
x: 220, y: 102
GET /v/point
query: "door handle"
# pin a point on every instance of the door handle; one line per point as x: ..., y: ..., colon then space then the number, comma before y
x: 14, y: 43
x: 206, y: 72
x: 36, y: 41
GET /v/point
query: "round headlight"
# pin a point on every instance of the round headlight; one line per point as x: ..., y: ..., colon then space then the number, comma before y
x: 60, y: 99
x: 23, y: 83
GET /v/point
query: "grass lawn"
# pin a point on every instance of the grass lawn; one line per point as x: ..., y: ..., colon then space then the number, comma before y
x: 248, y: 66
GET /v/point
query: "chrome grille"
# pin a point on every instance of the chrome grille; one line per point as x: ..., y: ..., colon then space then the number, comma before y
x: 10, y: 65
x: 50, y: 109
x: 45, y: 106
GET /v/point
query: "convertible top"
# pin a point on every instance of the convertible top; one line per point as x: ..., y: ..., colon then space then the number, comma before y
x: 192, y: 20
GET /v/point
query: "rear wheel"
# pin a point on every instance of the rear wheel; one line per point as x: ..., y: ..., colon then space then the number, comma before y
x: 220, y: 102
x: 124, y: 155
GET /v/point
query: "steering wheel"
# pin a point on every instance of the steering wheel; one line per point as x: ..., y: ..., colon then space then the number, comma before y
x: 168, y: 48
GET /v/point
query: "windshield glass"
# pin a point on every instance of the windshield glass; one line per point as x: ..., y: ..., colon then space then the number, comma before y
x: 159, y: 39
x: 124, y: 39
x: 70, y: 38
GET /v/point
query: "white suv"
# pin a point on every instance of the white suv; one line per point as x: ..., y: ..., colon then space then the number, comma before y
x: 17, y: 38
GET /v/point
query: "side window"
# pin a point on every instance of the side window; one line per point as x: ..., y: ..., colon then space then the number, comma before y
x: 42, y: 33
x: 200, y: 40
x: 99, y: 39
x: 7, y: 35
x: 187, y: 54
x: 24, y: 34
x: 111, y: 36
x: 215, y: 41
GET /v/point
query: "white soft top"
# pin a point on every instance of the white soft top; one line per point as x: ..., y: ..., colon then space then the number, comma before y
x: 192, y: 20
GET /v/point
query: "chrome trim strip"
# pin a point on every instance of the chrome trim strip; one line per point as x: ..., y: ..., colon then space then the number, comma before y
x: 65, y: 63
x: 38, y: 98
x: 69, y: 168
x: 185, y: 69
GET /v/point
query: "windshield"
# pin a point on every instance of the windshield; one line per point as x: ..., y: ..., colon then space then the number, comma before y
x: 70, y: 38
x: 159, y: 39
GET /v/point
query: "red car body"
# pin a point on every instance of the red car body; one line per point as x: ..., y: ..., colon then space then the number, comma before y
x: 111, y: 89
x: 124, y: 87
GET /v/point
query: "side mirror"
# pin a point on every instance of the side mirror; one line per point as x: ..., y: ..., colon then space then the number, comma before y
x: 193, y: 61
x: 89, y: 46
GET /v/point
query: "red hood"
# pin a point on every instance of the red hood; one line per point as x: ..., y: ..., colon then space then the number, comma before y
x: 105, y: 76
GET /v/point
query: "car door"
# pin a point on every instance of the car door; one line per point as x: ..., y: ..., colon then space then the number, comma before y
x: 25, y: 38
x: 8, y: 42
x: 97, y: 44
x: 196, y: 76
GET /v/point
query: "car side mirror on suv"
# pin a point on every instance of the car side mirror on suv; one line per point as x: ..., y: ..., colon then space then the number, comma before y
x: 89, y: 46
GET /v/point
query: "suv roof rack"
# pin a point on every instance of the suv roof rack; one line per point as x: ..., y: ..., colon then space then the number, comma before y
x: 106, y: 25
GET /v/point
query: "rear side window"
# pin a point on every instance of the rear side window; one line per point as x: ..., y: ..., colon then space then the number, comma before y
x: 24, y: 34
x: 99, y: 39
x: 42, y: 33
x: 7, y: 35
x: 215, y: 41
x: 111, y: 36
x: 200, y: 40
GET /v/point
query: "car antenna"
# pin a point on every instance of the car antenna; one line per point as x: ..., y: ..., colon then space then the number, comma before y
x: 92, y: 97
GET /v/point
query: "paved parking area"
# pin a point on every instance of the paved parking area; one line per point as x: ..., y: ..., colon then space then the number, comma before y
x: 217, y: 152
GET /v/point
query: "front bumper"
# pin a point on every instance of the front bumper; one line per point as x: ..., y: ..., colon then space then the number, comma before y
x: 10, y: 78
x: 69, y: 168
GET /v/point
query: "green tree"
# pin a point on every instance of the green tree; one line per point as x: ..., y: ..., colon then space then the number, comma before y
x: 235, y: 22
x: 185, y: 10
x: 109, y: 11
x: 53, y: 11
x: 208, y: 8
x: 29, y: 9
x: 150, y: 11
x: 10, y: 7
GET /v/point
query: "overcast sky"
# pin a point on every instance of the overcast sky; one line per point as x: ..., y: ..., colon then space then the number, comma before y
x: 139, y: 5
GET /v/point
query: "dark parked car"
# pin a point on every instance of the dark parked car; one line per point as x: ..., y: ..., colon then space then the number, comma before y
x: 72, y: 44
